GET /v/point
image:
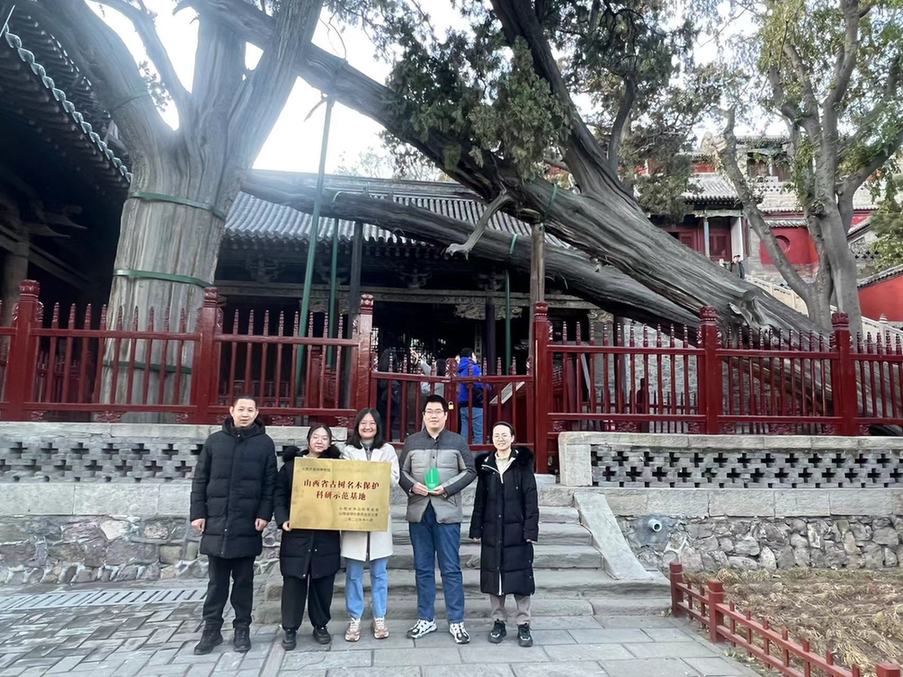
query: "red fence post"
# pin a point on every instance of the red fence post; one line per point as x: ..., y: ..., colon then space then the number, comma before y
x: 887, y: 670
x: 205, y: 366
x: 22, y: 357
x: 362, y: 331
x: 843, y: 375
x: 715, y: 597
x: 542, y: 384
x: 677, y: 594
x: 710, y: 378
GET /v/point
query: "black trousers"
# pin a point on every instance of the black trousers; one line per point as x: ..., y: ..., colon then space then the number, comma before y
x: 318, y: 594
x: 241, y: 570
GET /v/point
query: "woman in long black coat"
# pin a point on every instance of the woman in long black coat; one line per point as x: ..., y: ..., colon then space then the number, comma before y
x: 506, y: 522
x: 308, y: 558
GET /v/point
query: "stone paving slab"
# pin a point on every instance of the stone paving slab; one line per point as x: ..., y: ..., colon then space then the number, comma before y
x: 157, y: 641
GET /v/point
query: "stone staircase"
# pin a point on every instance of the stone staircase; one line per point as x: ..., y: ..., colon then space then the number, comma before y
x: 571, y: 576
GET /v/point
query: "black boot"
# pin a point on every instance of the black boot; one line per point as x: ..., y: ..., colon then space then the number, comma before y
x: 289, y: 639
x: 524, y: 638
x: 498, y: 632
x: 211, y: 638
x: 242, y: 639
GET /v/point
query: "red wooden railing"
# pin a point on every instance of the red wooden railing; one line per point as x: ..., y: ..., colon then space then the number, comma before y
x: 103, y: 367
x: 699, y: 381
x: 724, y: 622
x: 672, y: 379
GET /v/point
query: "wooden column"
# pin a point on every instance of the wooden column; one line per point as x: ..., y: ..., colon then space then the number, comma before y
x: 354, y: 301
x: 537, y: 274
x: 489, y: 352
x: 15, y: 271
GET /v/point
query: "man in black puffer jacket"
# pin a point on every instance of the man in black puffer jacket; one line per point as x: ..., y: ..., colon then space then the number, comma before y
x: 231, y: 504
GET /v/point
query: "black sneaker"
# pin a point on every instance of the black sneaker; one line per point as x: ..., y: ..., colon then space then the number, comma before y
x: 524, y: 638
x: 498, y: 632
x: 322, y: 636
x: 211, y: 638
x: 289, y: 639
x: 241, y: 642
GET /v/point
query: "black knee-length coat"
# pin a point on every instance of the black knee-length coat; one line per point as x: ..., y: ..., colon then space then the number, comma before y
x: 303, y: 551
x: 505, y: 517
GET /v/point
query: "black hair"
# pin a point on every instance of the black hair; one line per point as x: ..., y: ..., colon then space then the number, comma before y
x: 244, y: 396
x: 505, y: 424
x: 465, y: 352
x: 435, y: 399
x: 354, y: 439
x: 316, y: 426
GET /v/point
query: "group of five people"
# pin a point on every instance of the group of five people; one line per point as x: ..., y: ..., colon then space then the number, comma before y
x: 236, y: 490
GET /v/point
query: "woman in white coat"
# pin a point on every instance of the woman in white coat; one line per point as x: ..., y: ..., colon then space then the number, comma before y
x: 367, y: 443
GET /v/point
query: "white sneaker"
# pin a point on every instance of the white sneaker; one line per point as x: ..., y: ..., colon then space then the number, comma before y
x: 457, y: 631
x: 421, y: 627
x: 353, y: 633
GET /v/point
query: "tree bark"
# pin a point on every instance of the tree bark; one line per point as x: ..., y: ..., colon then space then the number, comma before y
x: 606, y: 223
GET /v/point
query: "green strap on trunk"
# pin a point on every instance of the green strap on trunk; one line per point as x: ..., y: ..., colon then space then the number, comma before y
x: 185, y: 202
x: 165, y: 277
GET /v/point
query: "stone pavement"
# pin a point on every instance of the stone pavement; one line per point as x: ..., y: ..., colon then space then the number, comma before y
x: 157, y: 639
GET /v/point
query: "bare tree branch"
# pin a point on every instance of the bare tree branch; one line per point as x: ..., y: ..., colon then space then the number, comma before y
x: 143, y: 21
x: 500, y: 201
x: 620, y: 125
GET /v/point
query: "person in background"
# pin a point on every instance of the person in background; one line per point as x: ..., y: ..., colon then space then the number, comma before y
x: 231, y: 504
x: 441, y: 459
x: 367, y: 443
x: 308, y: 558
x: 470, y: 398
x: 505, y: 520
x: 737, y: 267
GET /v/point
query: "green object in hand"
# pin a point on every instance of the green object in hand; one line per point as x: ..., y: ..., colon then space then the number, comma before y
x: 432, y: 478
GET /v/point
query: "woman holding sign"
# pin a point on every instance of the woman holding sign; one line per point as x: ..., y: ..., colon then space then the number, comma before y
x: 308, y: 558
x: 367, y: 443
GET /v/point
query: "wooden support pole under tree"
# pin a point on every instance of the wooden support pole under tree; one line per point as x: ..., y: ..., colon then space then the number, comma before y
x: 537, y: 273
x: 354, y: 296
x: 489, y: 337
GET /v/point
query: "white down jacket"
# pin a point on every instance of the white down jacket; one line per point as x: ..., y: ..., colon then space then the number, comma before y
x: 357, y: 544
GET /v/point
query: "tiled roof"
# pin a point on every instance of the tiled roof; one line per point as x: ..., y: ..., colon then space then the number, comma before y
x: 251, y: 218
x: 896, y: 271
x: 777, y: 196
x: 48, y: 107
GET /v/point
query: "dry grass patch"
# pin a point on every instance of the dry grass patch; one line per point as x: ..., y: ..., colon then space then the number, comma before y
x: 856, y: 613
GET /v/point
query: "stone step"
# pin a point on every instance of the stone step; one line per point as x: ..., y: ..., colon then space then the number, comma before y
x: 544, y: 556
x: 552, y: 514
x: 550, y: 533
x: 552, y: 582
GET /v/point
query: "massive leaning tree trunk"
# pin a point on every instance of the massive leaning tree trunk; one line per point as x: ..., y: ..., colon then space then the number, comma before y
x: 603, y: 220
x: 183, y: 180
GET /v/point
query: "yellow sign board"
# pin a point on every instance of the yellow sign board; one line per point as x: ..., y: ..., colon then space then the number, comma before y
x: 340, y: 495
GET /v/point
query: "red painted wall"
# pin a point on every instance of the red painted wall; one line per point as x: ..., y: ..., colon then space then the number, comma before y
x: 884, y: 297
x: 798, y: 246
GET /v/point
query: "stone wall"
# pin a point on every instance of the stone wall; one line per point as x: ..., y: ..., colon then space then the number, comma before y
x: 723, y: 461
x: 761, y: 528
x: 96, y: 502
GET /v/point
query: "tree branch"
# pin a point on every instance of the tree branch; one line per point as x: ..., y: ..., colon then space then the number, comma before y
x: 263, y: 95
x: 102, y: 55
x: 619, y: 127
x: 584, y: 155
x: 846, y: 58
x: 728, y: 156
x: 500, y: 201
x: 604, y: 286
x: 144, y: 25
